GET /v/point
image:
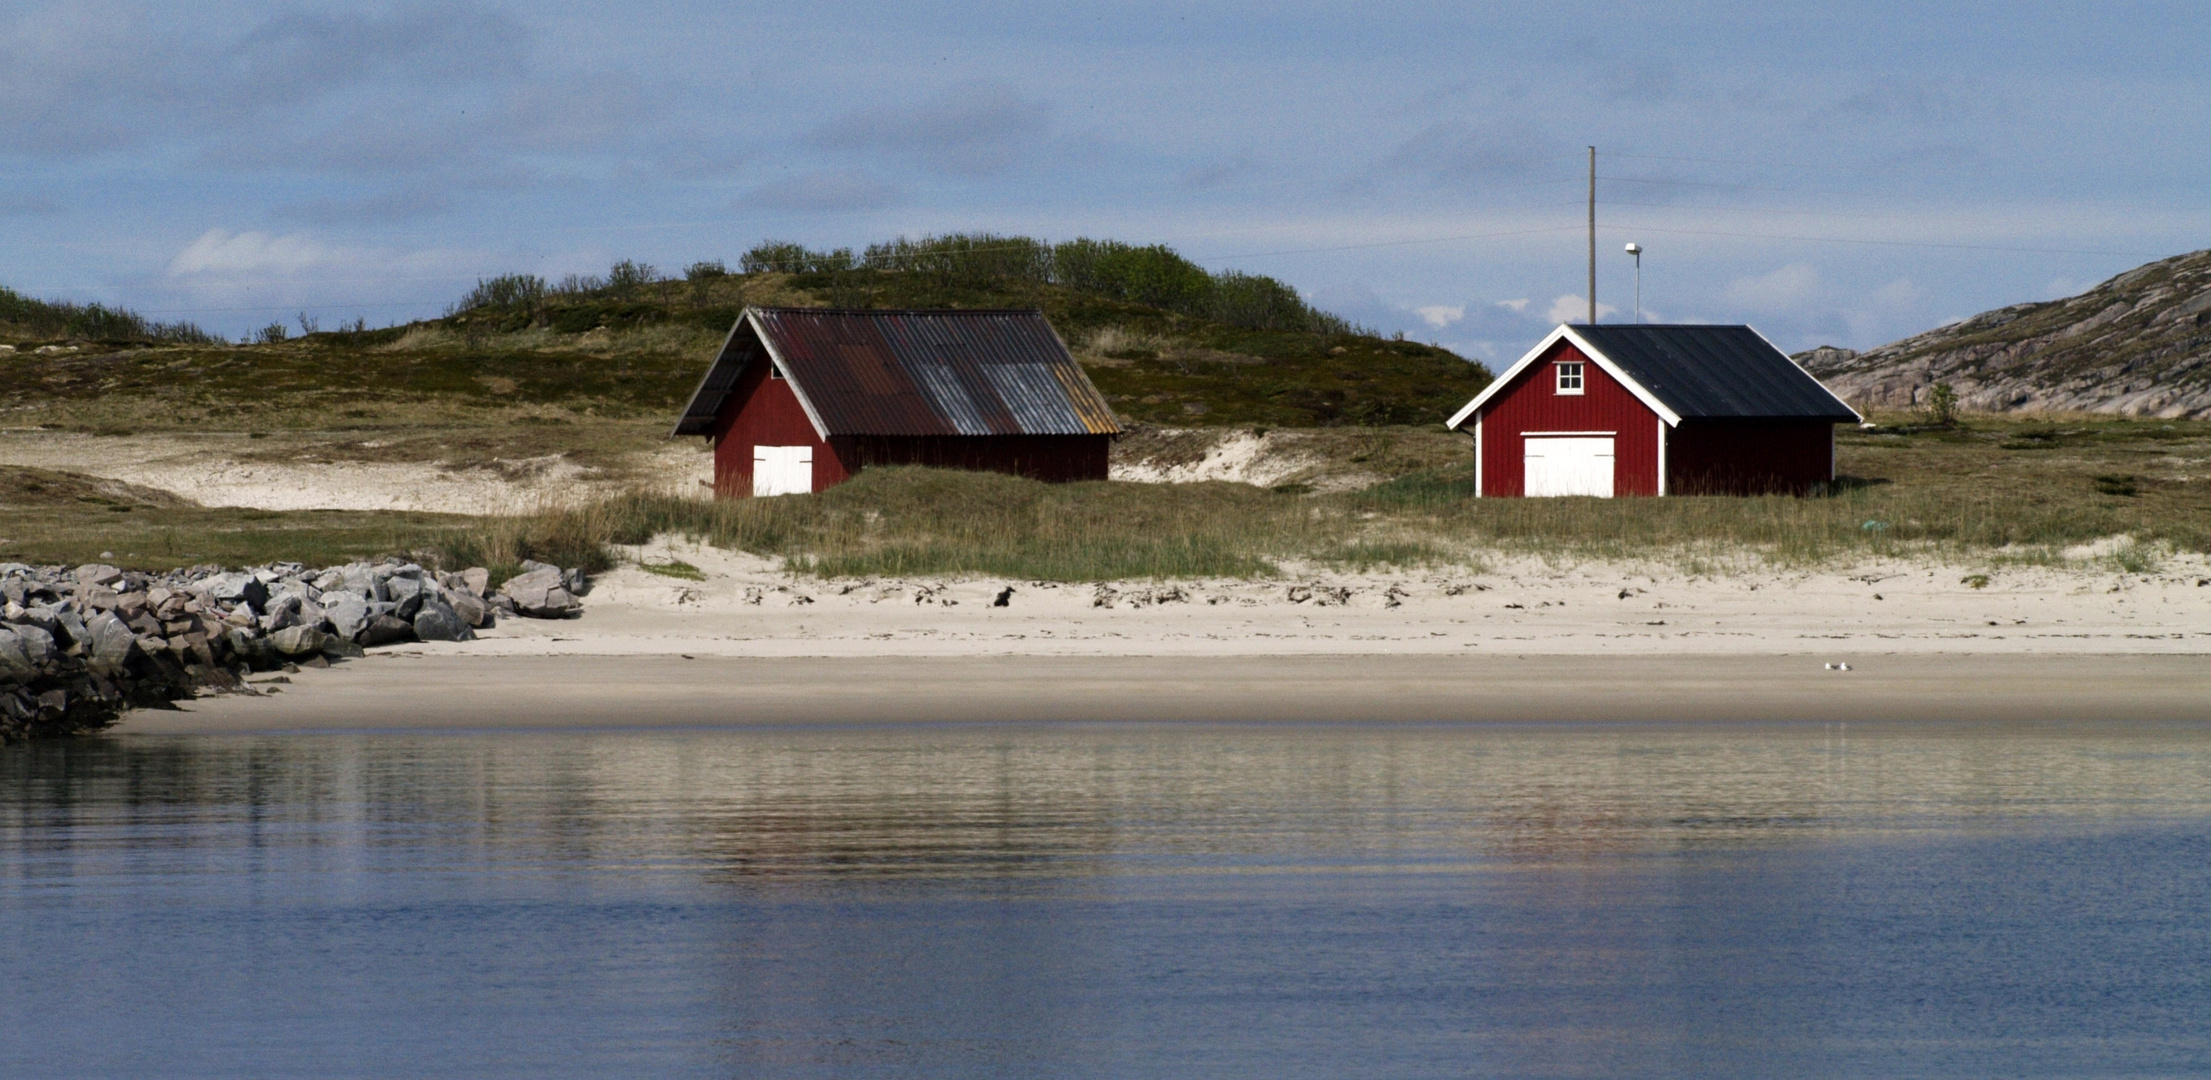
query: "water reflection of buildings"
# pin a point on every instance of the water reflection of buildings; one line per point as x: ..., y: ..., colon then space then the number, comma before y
x: 998, y: 802
x: 1513, y: 901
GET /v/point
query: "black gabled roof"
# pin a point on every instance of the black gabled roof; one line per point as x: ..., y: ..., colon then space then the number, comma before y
x: 1715, y: 372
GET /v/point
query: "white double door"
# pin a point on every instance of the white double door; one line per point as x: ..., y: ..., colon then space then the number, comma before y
x: 1568, y: 465
x: 782, y: 470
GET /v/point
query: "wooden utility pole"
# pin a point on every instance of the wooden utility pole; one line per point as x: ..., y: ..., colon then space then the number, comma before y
x: 1592, y: 236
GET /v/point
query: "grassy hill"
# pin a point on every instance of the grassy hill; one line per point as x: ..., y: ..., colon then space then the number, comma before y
x: 518, y: 353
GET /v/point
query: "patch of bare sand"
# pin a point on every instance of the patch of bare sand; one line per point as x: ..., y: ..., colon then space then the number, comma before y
x: 418, y: 690
x: 1318, y: 460
x: 1520, y: 642
x: 748, y: 606
x: 233, y: 470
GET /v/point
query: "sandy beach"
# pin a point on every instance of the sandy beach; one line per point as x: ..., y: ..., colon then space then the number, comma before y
x: 746, y: 606
x: 1517, y: 642
x: 412, y: 690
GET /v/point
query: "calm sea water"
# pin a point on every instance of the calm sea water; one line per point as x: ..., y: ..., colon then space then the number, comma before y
x: 1112, y: 902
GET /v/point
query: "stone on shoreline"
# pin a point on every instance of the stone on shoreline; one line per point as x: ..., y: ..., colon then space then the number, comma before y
x: 541, y: 593
x: 78, y: 645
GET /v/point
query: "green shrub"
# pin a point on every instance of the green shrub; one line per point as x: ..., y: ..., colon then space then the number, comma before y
x: 94, y: 322
x: 526, y: 291
x: 784, y: 257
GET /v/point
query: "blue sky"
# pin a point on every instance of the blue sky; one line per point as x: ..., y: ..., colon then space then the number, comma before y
x: 1844, y: 173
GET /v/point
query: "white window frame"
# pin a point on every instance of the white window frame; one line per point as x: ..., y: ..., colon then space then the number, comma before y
x: 1570, y: 369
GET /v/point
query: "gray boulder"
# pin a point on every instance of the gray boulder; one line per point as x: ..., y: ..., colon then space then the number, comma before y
x: 386, y: 629
x: 476, y: 580
x: 70, y: 627
x: 437, y: 622
x: 472, y: 611
x: 406, y: 594
x: 244, y: 589
x: 250, y: 647
x: 348, y: 616
x: 283, y: 613
x: 111, y: 640
x: 540, y: 594
x: 37, y: 644
x: 16, y: 665
x: 298, y: 640
x: 98, y: 574
x: 42, y: 616
x: 362, y: 578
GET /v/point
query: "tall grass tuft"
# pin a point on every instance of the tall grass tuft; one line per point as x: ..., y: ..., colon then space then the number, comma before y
x: 913, y: 521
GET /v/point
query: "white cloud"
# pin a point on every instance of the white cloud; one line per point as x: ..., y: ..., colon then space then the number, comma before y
x: 1572, y: 308
x: 1899, y: 295
x: 1788, y: 287
x: 1517, y: 307
x: 253, y: 272
x: 219, y: 251
x: 1440, y: 316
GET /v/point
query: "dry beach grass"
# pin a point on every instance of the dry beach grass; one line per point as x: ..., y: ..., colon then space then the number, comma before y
x: 1993, y: 492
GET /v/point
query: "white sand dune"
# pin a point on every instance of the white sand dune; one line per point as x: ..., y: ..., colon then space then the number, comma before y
x: 747, y: 606
x: 224, y: 470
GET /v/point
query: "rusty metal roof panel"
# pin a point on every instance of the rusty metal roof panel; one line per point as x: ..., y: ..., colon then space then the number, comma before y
x: 934, y: 372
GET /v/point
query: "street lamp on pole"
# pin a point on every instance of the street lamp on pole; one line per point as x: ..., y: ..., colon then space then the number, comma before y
x: 1637, y: 251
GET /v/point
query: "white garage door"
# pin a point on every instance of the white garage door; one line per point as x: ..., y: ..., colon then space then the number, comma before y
x: 1561, y: 465
x: 782, y: 470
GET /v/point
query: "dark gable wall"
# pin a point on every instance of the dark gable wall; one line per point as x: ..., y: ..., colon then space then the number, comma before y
x: 1532, y: 403
x: 1749, y: 457
x: 1051, y: 458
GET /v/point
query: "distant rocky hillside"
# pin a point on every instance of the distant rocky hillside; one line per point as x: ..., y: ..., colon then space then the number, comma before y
x: 2137, y: 345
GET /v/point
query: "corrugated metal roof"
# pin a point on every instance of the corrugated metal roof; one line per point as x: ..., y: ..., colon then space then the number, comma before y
x: 913, y: 373
x: 1716, y: 372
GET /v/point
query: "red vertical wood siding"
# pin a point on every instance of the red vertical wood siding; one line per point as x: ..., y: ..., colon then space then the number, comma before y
x: 1532, y: 403
x: 1749, y: 457
x: 764, y: 412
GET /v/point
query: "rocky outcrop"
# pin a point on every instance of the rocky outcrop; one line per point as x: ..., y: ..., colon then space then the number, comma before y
x: 2136, y: 345
x: 79, y: 646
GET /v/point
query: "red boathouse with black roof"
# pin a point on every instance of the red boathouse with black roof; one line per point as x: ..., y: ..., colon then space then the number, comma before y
x: 799, y: 399
x: 1653, y: 410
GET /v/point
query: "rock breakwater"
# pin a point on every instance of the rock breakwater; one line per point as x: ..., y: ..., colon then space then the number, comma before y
x: 80, y: 645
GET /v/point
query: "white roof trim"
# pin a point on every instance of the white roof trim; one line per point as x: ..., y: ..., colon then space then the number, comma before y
x: 1565, y: 331
x: 775, y: 356
x: 1823, y: 386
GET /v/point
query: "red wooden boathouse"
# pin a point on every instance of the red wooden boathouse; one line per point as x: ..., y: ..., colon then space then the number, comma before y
x: 1653, y: 410
x: 799, y: 399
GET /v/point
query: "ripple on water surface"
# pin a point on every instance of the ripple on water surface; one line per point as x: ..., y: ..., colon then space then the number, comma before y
x: 1112, y: 901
